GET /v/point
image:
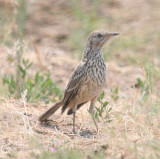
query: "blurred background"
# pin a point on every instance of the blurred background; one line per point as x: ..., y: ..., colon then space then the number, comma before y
x: 63, y: 26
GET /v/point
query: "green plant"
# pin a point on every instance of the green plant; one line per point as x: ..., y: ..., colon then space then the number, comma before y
x: 102, y: 111
x: 114, y: 94
x: 145, y: 88
x: 40, y: 87
x: 146, y: 84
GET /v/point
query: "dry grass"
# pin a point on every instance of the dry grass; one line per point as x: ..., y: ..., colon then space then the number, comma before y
x: 133, y: 132
x: 51, y: 45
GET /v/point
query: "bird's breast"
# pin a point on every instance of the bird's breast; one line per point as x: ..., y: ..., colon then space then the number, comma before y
x: 96, y: 72
x: 93, y: 82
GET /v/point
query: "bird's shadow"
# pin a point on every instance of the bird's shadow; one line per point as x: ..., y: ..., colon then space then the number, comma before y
x: 86, y: 134
x: 52, y: 125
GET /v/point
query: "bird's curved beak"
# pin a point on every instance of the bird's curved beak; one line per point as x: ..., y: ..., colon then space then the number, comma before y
x: 113, y: 34
x: 108, y: 36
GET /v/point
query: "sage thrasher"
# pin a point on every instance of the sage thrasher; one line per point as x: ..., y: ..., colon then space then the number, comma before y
x: 87, y: 80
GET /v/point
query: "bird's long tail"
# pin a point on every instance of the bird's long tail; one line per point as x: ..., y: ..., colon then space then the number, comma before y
x: 49, y: 112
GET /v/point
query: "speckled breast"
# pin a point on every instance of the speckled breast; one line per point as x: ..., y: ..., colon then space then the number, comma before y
x: 95, y: 79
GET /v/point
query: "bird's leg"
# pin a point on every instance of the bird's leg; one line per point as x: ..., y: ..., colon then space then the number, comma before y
x: 74, y: 114
x: 91, y: 111
x: 74, y: 117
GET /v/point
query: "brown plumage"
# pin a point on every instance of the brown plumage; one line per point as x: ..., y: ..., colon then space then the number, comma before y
x: 87, y: 80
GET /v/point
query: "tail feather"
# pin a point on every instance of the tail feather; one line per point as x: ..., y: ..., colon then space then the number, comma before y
x: 49, y: 112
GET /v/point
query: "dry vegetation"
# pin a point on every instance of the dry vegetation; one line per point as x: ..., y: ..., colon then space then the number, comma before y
x: 54, y: 33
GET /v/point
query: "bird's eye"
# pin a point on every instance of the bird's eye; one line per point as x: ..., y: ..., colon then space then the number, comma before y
x: 99, y: 35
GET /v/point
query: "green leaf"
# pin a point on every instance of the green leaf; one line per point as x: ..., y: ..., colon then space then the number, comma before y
x: 23, y: 71
x: 96, y: 116
x: 5, y: 80
x: 36, y: 78
x: 109, y: 109
x: 105, y: 104
x: 140, y: 82
x: 96, y: 108
x: 47, y: 102
x: 24, y: 61
x: 101, y: 97
x: 100, y: 113
x: 13, y: 83
x: 29, y: 83
x: 47, y: 83
x: 116, y: 90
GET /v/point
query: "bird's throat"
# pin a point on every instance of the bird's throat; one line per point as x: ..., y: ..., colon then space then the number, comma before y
x: 90, y: 53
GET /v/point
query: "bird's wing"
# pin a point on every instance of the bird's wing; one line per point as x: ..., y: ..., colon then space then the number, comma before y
x: 76, y: 77
x: 74, y: 84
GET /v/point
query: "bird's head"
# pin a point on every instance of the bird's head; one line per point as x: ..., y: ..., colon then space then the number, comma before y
x: 98, y: 38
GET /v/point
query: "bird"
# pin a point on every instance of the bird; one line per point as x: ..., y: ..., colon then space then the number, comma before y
x: 87, y: 80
